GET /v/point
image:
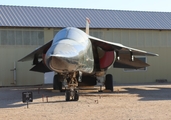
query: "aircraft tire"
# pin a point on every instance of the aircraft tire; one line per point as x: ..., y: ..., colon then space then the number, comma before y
x: 109, y: 82
x: 57, y: 85
x: 76, y: 96
x: 67, y: 95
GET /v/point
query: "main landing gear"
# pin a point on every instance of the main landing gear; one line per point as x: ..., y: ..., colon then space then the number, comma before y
x: 109, y: 82
x: 57, y: 82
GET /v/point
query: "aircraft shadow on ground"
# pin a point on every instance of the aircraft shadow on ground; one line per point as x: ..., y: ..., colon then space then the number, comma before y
x: 145, y: 93
x: 150, y: 93
x: 12, y: 97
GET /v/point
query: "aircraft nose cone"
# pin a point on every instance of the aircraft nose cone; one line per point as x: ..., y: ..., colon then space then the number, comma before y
x: 66, y: 48
x: 64, y: 57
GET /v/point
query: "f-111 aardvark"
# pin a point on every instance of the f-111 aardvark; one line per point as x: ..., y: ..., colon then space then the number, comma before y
x: 80, y: 59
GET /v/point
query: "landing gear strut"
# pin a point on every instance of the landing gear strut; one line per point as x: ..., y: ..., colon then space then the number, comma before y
x: 71, y: 91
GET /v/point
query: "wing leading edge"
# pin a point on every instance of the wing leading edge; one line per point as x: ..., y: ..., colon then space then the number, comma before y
x: 110, y: 46
x: 38, y: 52
x: 125, y: 54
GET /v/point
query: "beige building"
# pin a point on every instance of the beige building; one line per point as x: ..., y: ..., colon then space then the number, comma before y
x: 23, y: 29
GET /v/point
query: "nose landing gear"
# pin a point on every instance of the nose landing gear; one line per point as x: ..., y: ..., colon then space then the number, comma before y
x: 71, y: 92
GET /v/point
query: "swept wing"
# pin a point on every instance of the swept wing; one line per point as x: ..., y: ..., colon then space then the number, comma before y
x: 110, y: 46
x: 38, y: 52
x: 126, y: 54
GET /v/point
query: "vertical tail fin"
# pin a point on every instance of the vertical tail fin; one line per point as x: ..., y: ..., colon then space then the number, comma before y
x: 87, y: 25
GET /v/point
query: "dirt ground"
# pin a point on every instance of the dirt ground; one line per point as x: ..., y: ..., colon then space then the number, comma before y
x: 133, y: 102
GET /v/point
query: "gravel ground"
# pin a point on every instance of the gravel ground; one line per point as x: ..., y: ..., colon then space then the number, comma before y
x: 133, y: 102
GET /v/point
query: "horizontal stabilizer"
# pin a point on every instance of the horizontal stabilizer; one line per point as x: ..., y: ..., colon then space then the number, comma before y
x: 126, y: 62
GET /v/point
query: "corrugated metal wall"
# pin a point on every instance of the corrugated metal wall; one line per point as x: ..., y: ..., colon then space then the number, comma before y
x: 155, y: 41
x: 12, y: 53
x: 9, y: 55
x: 150, y: 40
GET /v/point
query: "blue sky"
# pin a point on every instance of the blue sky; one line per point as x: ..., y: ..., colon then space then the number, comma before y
x: 136, y: 5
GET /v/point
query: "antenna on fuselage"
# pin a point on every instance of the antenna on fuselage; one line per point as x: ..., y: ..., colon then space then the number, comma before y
x: 87, y: 25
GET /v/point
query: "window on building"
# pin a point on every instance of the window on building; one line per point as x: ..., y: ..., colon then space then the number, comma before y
x: 98, y: 34
x: 11, y: 37
x: 33, y: 36
x: 40, y: 37
x: 21, y: 37
x: 3, y: 37
x: 26, y: 37
x: 142, y: 58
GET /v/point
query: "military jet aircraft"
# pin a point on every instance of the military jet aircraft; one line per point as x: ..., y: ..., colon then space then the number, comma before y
x: 79, y: 59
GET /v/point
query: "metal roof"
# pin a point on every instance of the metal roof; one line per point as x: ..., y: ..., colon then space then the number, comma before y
x: 25, y: 16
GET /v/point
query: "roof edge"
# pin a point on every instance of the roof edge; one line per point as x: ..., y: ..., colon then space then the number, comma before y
x: 83, y: 8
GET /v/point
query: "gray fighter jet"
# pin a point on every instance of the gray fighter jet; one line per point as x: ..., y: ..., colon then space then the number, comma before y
x: 79, y: 59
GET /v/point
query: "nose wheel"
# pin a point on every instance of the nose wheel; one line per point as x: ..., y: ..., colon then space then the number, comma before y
x: 71, y: 95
